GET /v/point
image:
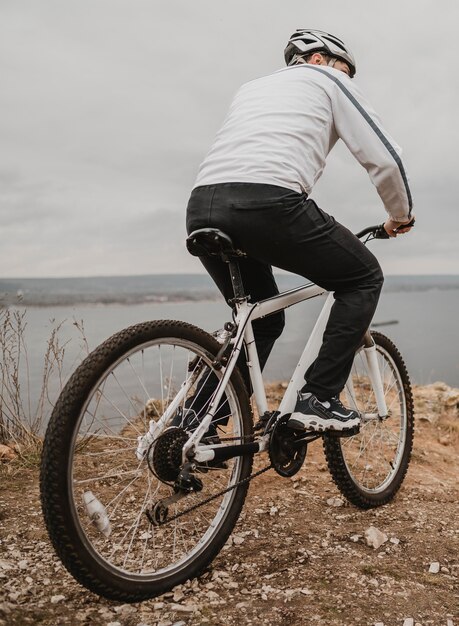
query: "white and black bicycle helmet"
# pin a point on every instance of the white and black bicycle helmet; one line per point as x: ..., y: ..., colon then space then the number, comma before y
x: 304, y: 42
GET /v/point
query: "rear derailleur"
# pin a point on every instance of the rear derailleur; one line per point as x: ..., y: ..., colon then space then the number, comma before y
x: 164, y: 459
x: 185, y: 483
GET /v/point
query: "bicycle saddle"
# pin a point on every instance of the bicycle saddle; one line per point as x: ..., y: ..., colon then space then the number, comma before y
x: 212, y: 242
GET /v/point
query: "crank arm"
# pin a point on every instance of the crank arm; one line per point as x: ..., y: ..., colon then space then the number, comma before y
x: 305, y: 439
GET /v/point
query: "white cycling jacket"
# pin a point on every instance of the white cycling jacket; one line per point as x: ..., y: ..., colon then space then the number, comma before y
x: 280, y: 129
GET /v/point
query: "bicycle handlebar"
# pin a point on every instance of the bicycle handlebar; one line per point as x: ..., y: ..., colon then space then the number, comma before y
x: 379, y: 231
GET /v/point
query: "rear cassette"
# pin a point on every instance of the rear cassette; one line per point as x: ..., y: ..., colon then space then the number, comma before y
x: 165, y: 454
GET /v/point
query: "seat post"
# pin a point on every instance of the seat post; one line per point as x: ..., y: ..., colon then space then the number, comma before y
x: 215, y: 243
x: 236, y: 279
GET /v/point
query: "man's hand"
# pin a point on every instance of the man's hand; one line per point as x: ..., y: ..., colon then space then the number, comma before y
x: 393, y: 228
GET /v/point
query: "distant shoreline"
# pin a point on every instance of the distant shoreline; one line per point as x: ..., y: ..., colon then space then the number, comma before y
x: 16, y: 302
x: 166, y: 288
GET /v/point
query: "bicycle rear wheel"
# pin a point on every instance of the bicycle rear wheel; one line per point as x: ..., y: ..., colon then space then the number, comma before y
x: 95, y: 491
x: 369, y: 468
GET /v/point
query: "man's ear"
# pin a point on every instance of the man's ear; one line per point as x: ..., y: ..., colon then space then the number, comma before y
x: 316, y: 59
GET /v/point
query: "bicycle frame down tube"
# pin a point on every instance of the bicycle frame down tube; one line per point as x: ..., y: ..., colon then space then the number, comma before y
x: 259, y: 310
x: 309, y: 354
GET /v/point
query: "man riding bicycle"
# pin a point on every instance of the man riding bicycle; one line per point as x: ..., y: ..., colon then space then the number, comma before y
x: 255, y: 185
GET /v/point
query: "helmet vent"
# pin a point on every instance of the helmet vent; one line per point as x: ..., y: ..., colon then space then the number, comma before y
x: 336, y: 42
x: 305, y: 40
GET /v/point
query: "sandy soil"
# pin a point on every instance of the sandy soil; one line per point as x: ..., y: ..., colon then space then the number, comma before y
x: 297, y: 556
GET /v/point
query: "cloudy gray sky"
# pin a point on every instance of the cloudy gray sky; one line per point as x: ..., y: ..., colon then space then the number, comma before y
x: 108, y: 106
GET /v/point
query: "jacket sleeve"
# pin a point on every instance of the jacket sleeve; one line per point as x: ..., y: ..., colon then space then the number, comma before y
x: 359, y: 127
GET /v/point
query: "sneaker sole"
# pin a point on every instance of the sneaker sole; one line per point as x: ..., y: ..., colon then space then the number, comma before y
x: 299, y: 421
x: 349, y: 432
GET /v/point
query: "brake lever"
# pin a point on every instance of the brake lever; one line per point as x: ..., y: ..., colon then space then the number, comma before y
x: 380, y: 233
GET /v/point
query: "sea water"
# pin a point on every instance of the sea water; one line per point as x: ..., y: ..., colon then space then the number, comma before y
x: 418, y: 313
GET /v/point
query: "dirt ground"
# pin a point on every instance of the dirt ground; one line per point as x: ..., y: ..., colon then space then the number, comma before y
x: 298, y: 555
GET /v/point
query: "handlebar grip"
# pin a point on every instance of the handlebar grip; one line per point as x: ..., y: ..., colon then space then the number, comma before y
x: 380, y: 232
x: 409, y: 225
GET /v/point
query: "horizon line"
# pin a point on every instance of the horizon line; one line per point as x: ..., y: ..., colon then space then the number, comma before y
x: 278, y: 273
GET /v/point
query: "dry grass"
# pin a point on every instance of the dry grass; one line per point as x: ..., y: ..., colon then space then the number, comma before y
x: 23, y: 418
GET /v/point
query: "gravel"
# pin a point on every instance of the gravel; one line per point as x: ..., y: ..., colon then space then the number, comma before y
x: 296, y: 556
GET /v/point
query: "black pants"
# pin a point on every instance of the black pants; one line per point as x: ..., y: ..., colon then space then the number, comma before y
x: 277, y: 226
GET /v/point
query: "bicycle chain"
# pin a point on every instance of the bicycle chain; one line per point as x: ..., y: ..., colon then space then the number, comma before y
x: 216, y: 495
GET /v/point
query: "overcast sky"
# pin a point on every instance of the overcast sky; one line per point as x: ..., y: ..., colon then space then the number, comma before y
x: 107, y: 108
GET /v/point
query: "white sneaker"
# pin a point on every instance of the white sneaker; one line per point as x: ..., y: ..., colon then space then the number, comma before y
x: 313, y: 415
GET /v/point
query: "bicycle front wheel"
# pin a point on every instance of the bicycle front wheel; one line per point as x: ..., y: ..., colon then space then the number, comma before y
x: 369, y: 468
x: 99, y: 493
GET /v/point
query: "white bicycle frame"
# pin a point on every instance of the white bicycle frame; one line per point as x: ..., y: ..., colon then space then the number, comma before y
x: 246, y: 313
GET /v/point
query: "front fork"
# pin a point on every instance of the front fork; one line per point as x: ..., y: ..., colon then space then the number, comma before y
x: 371, y: 359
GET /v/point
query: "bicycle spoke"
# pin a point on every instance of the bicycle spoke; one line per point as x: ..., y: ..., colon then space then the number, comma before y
x: 105, y: 460
x: 122, y: 472
x: 135, y: 525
